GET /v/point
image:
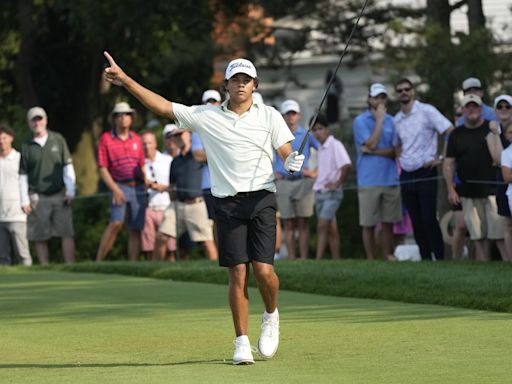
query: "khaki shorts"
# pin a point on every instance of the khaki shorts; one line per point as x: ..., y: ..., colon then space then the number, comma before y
x: 379, y: 204
x: 482, y: 219
x: 192, y: 218
x: 295, y: 198
x: 50, y: 217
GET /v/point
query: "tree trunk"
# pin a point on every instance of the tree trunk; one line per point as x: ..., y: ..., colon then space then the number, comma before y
x: 23, y: 66
x: 476, y: 17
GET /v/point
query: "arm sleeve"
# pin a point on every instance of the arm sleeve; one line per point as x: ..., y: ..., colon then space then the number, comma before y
x: 23, y: 184
x: 102, y: 154
x: 69, y: 179
x: 360, y: 132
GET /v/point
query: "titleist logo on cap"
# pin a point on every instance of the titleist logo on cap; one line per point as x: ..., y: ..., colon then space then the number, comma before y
x: 240, y: 66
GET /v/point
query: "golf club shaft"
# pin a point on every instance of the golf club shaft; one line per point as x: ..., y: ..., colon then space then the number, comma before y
x: 333, y: 77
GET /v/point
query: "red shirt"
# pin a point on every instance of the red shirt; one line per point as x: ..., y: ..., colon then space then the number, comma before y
x: 122, y: 158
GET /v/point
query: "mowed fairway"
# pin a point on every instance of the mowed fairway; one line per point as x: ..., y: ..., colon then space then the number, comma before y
x: 89, y: 328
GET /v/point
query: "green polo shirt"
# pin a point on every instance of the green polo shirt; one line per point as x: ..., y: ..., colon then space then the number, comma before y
x: 44, y: 165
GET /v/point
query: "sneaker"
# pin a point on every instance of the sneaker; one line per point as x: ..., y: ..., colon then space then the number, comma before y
x: 269, y: 339
x: 243, y: 352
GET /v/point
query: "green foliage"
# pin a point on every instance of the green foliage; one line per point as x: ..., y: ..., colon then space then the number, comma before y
x: 165, y: 45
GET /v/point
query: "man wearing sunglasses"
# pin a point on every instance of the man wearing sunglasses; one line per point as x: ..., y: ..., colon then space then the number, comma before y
x: 418, y: 126
x: 497, y: 143
x: 121, y: 164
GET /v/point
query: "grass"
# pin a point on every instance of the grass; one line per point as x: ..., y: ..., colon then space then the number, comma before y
x: 485, y: 286
x: 95, y: 328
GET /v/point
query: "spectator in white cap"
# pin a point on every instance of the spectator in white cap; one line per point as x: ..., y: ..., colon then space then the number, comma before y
x: 295, y: 197
x: 473, y: 86
x: 377, y: 173
x: 47, y: 180
x: 239, y: 139
x: 468, y: 151
x: 417, y: 128
x: 498, y: 144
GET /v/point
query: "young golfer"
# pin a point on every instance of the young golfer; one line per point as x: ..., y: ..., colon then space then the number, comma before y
x: 239, y: 138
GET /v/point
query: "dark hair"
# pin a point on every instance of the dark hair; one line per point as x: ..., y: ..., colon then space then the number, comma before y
x: 404, y: 80
x: 6, y: 129
x: 147, y: 131
x: 321, y: 119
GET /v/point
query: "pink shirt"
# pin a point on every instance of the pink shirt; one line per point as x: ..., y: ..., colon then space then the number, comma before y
x: 331, y: 157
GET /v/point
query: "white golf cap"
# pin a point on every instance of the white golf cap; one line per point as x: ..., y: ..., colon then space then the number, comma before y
x: 377, y: 89
x: 505, y: 98
x: 289, y: 106
x: 210, y: 94
x: 471, y: 99
x: 240, y: 66
x: 169, y: 128
x: 36, y: 112
x: 122, y: 107
x: 471, y: 82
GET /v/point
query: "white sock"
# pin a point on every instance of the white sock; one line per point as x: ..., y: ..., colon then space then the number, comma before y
x: 271, y: 316
x: 243, y: 339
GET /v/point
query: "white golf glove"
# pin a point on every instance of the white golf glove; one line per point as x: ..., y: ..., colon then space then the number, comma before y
x: 294, y: 161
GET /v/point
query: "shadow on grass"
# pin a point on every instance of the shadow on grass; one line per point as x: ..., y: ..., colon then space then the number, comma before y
x: 113, y: 365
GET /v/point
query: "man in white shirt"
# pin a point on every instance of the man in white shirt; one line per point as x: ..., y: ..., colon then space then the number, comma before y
x: 239, y: 138
x: 13, y: 221
x: 417, y: 128
x: 157, y: 166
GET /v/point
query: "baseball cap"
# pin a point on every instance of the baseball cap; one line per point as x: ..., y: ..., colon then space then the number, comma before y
x: 169, y: 129
x: 240, y: 66
x: 471, y: 82
x: 376, y: 89
x: 210, y: 94
x: 471, y: 99
x: 36, y: 112
x: 289, y: 106
x: 122, y: 107
x: 506, y: 98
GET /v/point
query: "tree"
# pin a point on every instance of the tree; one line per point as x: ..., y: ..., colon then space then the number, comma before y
x: 51, y: 55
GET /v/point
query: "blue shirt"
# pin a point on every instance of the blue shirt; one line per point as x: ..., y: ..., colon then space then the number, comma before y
x: 197, y: 145
x: 311, y: 142
x: 374, y: 170
x: 488, y: 113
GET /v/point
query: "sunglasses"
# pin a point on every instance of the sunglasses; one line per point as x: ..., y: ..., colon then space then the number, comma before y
x: 504, y: 106
x: 122, y: 114
x: 400, y: 90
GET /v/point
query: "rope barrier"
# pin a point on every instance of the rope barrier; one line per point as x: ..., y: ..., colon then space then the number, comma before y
x: 346, y: 187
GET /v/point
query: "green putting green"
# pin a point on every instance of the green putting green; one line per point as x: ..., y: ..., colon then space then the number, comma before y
x: 89, y: 328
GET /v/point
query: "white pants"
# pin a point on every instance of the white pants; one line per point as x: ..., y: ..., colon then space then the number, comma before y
x: 16, y: 230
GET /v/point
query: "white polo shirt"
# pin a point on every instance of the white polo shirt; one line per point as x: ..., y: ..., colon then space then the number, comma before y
x: 417, y: 133
x: 10, y: 203
x: 158, y: 171
x: 240, y: 148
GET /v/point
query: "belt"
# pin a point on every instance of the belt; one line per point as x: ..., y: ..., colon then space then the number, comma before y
x: 252, y: 193
x: 130, y: 183
x: 192, y: 200
x: 292, y: 177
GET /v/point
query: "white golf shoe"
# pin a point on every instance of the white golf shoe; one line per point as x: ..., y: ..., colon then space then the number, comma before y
x: 243, y: 351
x: 269, y: 339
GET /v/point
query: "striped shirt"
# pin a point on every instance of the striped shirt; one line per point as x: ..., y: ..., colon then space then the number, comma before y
x: 122, y: 158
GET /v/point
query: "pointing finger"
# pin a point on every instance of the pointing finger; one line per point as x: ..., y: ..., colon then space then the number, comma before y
x: 110, y: 59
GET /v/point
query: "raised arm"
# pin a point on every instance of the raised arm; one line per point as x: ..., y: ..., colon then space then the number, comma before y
x: 154, y: 102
